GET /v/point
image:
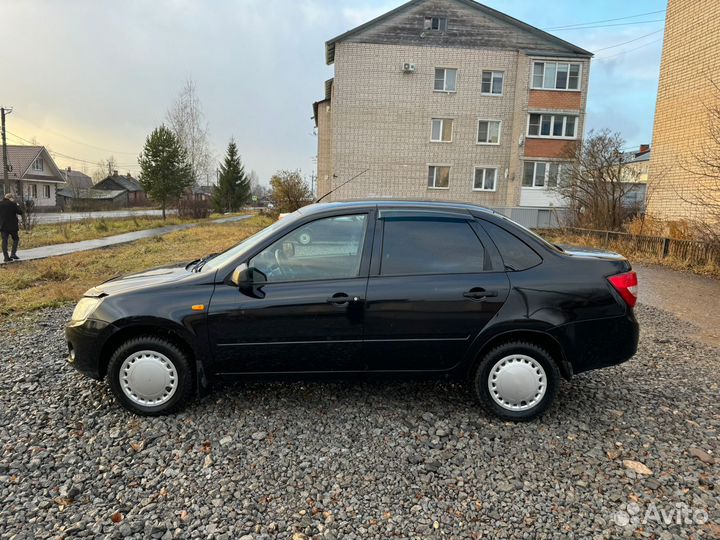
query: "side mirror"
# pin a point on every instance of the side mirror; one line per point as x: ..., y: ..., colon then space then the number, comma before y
x: 249, y: 281
x: 241, y: 276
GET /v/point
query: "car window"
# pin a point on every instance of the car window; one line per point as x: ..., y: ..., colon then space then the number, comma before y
x: 430, y: 246
x: 328, y: 248
x: 516, y: 254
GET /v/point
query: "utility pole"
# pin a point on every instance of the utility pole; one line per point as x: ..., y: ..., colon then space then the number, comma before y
x: 6, y: 165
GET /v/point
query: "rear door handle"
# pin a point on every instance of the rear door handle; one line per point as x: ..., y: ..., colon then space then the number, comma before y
x: 341, y: 299
x: 478, y: 293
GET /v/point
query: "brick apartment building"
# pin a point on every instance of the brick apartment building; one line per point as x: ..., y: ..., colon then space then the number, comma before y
x: 690, y: 65
x: 449, y: 99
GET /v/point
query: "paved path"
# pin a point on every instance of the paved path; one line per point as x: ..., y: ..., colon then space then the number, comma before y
x: 62, y: 217
x: 86, y: 245
x: 692, y: 298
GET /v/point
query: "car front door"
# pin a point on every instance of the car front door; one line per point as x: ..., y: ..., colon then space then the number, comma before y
x: 433, y: 286
x: 304, y: 311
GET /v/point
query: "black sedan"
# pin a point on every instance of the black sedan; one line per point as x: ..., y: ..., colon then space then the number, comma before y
x: 429, y: 288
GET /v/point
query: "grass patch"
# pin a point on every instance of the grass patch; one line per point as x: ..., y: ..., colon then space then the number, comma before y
x: 32, y: 285
x: 90, y: 229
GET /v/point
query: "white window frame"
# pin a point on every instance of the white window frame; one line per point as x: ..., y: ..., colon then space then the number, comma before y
x: 38, y: 164
x: 546, y: 176
x: 429, y: 22
x: 484, y: 168
x: 567, y: 82
x: 442, y: 129
x: 445, y: 70
x: 436, y: 165
x: 552, y: 126
x: 493, y: 73
x: 33, y: 191
x: 47, y: 191
x: 477, y: 132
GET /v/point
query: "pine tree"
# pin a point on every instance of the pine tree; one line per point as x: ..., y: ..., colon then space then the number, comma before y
x: 233, y: 189
x: 165, y: 171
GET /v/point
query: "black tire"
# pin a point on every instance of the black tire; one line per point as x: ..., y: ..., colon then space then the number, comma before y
x: 178, y: 359
x: 482, y: 373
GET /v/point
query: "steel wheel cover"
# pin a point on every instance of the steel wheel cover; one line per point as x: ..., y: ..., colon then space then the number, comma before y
x: 517, y: 382
x: 148, y: 378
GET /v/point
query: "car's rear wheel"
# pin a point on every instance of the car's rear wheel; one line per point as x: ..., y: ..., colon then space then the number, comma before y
x: 150, y: 376
x: 516, y: 380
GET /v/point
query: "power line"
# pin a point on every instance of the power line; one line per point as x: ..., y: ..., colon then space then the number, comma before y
x: 75, y: 140
x: 607, y: 25
x: 630, y: 50
x: 54, y: 152
x: 626, y: 42
x: 608, y: 20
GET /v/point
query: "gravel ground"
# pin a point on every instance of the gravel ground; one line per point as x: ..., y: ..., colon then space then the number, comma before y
x: 362, y: 459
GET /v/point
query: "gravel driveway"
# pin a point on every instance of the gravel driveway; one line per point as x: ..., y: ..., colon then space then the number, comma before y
x: 363, y: 459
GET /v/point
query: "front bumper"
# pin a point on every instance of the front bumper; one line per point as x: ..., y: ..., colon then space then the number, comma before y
x: 85, y: 341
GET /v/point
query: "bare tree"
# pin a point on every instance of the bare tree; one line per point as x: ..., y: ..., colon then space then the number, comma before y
x: 186, y: 119
x: 703, y: 193
x: 104, y: 168
x: 258, y: 192
x: 595, y: 181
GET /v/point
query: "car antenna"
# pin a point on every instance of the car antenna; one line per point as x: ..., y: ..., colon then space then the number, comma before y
x: 341, y: 185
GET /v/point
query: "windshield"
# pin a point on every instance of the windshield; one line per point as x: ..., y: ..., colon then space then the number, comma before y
x: 257, y: 238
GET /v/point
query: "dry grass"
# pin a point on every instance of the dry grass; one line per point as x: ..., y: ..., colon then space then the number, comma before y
x: 90, y: 229
x: 627, y: 249
x: 32, y: 285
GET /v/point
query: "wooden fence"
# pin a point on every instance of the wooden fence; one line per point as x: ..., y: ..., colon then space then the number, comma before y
x: 691, y: 252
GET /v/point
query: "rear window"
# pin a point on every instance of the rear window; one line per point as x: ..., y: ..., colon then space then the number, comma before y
x: 430, y: 246
x: 516, y: 254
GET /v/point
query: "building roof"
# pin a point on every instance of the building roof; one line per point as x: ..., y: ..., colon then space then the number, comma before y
x: 126, y: 181
x: 572, y: 49
x: 77, y: 179
x: 21, y: 157
x: 95, y: 194
x: 637, y: 156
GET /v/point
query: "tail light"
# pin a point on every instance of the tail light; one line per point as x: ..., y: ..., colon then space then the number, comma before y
x: 627, y: 286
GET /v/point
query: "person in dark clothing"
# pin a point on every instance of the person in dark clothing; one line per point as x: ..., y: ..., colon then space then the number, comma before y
x: 9, y: 226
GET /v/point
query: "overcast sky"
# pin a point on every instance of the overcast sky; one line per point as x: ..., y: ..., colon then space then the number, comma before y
x: 91, y: 78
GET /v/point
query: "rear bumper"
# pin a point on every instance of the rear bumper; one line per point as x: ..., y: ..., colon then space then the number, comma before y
x: 599, y: 343
x: 85, y: 343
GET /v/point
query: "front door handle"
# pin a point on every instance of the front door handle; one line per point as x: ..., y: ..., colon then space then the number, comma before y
x: 341, y: 299
x: 478, y: 293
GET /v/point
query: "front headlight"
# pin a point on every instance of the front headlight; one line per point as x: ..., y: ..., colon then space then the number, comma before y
x: 84, y: 308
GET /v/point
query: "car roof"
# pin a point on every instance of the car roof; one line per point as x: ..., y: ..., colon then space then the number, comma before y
x: 392, y: 203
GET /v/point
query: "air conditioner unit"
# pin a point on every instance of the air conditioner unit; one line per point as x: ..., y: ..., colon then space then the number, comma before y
x: 408, y: 67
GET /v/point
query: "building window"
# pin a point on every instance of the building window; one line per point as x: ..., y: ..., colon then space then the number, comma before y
x: 445, y: 79
x: 492, y: 83
x: 33, y: 191
x: 46, y: 191
x: 436, y: 23
x: 38, y: 164
x: 541, y: 174
x: 488, y: 132
x: 556, y: 76
x: 556, y: 126
x: 438, y: 176
x: 484, y: 179
x: 441, y: 130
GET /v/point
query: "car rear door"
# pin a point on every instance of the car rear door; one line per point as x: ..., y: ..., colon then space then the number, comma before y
x: 435, y: 282
x: 307, y: 314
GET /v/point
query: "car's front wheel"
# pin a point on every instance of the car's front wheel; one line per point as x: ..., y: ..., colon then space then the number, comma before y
x: 516, y: 380
x: 150, y: 376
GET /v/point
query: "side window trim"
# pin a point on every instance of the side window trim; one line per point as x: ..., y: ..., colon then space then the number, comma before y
x: 492, y: 260
x: 370, y: 224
